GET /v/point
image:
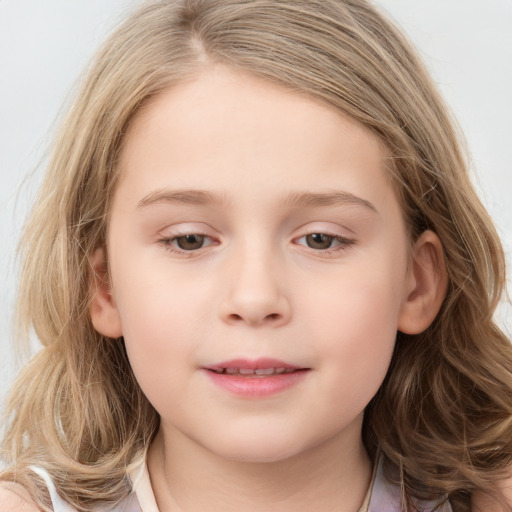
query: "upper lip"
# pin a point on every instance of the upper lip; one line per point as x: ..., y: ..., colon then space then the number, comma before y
x: 253, y: 364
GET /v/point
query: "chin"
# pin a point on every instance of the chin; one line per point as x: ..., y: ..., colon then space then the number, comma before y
x: 257, y: 449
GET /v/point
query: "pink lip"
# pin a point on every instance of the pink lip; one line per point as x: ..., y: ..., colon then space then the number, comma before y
x: 252, y: 385
x: 253, y: 364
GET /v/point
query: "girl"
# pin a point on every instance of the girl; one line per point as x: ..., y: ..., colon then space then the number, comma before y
x: 262, y: 278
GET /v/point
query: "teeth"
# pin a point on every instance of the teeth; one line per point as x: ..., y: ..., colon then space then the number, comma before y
x: 251, y: 371
x: 266, y: 371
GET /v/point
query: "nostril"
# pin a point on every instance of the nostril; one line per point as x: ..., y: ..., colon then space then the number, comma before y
x: 272, y: 317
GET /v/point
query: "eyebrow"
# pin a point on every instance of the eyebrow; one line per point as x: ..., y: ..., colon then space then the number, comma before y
x: 311, y: 199
x: 290, y: 200
x: 194, y: 197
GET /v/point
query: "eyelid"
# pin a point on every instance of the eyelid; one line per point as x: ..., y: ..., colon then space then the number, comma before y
x: 341, y: 239
x: 167, y: 236
x: 344, y: 242
x: 169, y: 246
x: 186, y: 228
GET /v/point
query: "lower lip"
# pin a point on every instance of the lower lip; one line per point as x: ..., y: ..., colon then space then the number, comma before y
x: 257, y: 387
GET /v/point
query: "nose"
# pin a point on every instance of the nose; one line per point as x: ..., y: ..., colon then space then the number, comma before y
x: 256, y: 293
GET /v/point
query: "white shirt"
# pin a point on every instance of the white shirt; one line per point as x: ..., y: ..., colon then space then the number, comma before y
x: 382, y: 496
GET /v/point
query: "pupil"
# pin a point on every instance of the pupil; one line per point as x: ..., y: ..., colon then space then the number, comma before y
x: 319, y: 241
x: 190, y: 242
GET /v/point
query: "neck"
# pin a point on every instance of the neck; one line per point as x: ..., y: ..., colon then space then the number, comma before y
x: 186, y: 477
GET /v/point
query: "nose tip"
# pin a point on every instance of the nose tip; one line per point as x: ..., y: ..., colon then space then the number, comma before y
x: 255, y: 295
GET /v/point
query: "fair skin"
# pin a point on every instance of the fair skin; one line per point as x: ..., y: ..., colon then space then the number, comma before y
x: 296, y: 251
x: 14, y: 498
x: 296, y: 239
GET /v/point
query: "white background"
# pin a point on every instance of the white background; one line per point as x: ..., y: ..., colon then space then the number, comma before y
x: 44, y: 45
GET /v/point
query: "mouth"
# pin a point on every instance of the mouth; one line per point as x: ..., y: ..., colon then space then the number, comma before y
x: 250, y: 372
x: 263, y: 367
x: 255, y: 378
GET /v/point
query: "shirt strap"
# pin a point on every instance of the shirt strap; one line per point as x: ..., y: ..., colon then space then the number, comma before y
x: 58, y: 504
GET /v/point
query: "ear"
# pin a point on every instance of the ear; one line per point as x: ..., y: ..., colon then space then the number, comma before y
x: 103, y: 310
x: 426, y: 285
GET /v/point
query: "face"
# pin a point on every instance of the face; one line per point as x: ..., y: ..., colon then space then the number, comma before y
x: 258, y: 264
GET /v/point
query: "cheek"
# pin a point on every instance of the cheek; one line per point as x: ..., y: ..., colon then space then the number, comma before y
x: 362, y: 302
x: 362, y: 328
x: 162, y: 327
x: 156, y: 301
x: 354, y: 327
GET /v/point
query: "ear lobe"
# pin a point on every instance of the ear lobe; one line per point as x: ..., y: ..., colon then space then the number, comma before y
x: 427, y: 283
x: 103, y: 310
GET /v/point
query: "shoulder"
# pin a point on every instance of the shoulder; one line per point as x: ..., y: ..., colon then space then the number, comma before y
x: 15, y: 498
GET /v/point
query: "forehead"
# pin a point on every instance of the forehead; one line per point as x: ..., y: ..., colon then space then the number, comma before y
x: 237, y: 133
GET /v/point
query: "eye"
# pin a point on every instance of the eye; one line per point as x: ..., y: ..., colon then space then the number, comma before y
x: 324, y: 241
x: 190, y: 242
x: 187, y: 242
x: 319, y: 240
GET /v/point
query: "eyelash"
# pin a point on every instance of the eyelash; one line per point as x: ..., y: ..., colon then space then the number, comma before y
x: 168, y: 244
x: 343, y: 243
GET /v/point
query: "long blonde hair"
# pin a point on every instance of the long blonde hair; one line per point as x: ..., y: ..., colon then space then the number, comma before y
x: 442, y: 417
